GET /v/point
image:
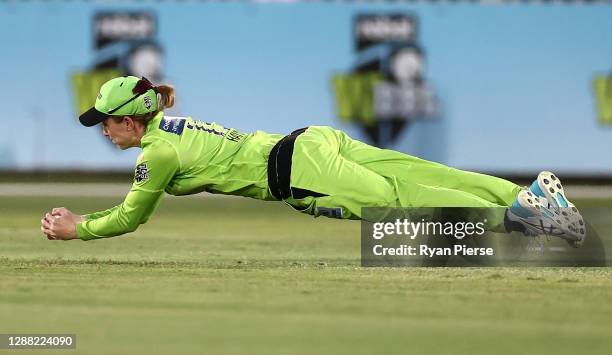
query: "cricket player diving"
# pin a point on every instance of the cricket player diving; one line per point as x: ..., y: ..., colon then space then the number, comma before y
x: 316, y: 170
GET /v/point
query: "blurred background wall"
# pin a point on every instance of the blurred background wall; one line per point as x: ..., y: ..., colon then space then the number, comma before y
x: 513, y: 88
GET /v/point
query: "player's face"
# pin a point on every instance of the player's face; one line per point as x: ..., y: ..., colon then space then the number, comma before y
x: 119, y: 133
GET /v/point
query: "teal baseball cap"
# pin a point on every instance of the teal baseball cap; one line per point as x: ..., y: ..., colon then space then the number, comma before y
x: 122, y: 96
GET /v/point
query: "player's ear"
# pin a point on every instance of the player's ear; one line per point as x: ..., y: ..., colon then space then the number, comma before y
x: 128, y: 123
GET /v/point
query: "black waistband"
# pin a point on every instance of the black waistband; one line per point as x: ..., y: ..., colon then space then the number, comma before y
x: 279, y: 165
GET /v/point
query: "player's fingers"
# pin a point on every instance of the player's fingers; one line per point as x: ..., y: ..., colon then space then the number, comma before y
x: 59, y: 211
x: 49, y: 223
x: 50, y: 235
x: 46, y: 233
x: 49, y: 218
x: 44, y: 223
x: 52, y: 219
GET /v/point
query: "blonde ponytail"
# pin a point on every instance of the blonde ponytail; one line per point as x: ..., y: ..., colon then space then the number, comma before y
x: 165, y: 96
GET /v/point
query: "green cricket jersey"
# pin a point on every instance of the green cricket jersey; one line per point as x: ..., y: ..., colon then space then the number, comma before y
x: 182, y: 156
x: 332, y: 175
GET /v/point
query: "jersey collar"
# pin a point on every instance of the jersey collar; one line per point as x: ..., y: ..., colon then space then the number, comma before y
x: 151, y: 126
x: 154, y: 122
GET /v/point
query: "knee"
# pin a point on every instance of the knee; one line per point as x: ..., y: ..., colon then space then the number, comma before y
x: 382, y: 195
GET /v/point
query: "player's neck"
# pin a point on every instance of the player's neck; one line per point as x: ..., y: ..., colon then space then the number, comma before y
x: 139, y: 132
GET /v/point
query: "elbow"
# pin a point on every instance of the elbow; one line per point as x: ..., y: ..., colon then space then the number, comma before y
x: 129, y: 222
x: 129, y: 226
x: 133, y: 225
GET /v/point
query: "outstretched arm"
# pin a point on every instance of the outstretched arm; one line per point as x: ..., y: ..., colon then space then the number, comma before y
x: 155, y: 168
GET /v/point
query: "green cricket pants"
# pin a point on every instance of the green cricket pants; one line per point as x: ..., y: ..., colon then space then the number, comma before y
x: 334, y: 175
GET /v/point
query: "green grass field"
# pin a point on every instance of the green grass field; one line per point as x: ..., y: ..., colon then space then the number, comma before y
x: 234, y: 276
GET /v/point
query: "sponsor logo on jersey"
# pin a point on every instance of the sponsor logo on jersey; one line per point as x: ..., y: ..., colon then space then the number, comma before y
x: 141, y: 173
x: 172, y: 125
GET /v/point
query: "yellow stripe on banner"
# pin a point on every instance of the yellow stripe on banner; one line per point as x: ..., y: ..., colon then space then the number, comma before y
x: 355, y: 96
x: 603, y: 98
x: 85, y: 86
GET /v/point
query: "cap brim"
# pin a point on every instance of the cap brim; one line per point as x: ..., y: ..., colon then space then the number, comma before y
x: 92, y: 117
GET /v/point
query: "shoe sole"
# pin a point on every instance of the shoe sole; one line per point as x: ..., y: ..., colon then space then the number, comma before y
x: 532, y: 206
x: 549, y: 186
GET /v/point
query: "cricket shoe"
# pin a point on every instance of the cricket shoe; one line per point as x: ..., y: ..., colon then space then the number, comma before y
x: 547, y: 186
x: 529, y: 212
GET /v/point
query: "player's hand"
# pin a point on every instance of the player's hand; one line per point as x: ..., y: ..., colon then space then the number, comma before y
x: 64, y: 212
x: 60, y: 224
x: 58, y: 227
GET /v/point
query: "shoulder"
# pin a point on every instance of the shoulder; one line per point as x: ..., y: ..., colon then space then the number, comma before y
x: 158, y: 150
